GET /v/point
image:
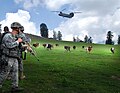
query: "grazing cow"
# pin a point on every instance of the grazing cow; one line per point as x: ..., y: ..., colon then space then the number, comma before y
x: 112, y: 50
x: 56, y: 44
x: 44, y: 45
x: 36, y: 44
x: 49, y: 46
x: 67, y: 48
x: 74, y: 47
x: 83, y: 46
x: 89, y: 49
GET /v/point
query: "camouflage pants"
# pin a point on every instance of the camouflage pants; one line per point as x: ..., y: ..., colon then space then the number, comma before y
x: 12, y: 66
x: 20, y: 68
x: 20, y: 65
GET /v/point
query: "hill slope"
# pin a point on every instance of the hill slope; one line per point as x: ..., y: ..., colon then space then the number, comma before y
x: 59, y: 71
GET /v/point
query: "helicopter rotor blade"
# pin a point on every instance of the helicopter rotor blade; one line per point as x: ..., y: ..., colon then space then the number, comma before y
x: 55, y: 11
x: 77, y: 12
x: 63, y: 9
x: 59, y: 11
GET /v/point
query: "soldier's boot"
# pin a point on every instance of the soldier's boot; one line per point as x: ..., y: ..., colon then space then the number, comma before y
x: 22, y: 76
x: 16, y: 89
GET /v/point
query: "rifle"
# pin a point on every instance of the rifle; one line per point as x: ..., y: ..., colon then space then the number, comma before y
x: 30, y: 50
x: 27, y: 46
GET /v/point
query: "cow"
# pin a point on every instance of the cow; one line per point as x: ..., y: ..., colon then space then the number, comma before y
x: 83, y: 46
x: 36, y: 44
x: 67, y: 48
x: 44, y: 45
x: 56, y: 44
x: 89, y: 48
x: 112, y: 49
x: 49, y: 46
x: 74, y: 47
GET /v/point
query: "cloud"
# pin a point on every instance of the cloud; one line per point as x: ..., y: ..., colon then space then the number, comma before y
x: 28, y: 4
x: 23, y: 17
x: 94, y: 26
x: 97, y: 17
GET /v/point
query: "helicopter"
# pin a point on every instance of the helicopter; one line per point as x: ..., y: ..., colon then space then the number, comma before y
x: 67, y: 15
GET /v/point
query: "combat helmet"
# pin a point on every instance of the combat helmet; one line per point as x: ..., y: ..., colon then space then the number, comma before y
x: 6, y: 29
x: 15, y: 25
x: 22, y: 28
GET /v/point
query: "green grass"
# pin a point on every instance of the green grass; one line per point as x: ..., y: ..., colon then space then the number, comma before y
x: 60, y: 71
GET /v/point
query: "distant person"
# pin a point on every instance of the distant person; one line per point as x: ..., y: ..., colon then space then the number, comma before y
x: 6, y: 29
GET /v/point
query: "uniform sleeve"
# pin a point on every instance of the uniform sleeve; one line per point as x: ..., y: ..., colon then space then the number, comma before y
x: 22, y: 36
x: 10, y: 42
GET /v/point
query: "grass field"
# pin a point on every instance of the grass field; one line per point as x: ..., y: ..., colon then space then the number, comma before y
x: 60, y: 71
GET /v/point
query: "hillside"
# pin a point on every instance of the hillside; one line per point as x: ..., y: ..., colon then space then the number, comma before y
x: 60, y: 71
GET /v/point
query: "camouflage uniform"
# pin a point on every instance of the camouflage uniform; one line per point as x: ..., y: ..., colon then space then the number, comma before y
x: 9, y: 43
x: 10, y: 56
x: 20, y: 62
x: 21, y: 69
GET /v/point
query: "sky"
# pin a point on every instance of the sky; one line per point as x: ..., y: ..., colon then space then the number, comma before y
x: 97, y: 17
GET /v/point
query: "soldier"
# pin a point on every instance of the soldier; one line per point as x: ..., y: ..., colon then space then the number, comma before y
x: 22, y: 35
x: 20, y: 63
x: 6, y: 29
x: 10, y: 56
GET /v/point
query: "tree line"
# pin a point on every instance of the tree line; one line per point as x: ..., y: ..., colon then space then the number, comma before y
x: 58, y: 36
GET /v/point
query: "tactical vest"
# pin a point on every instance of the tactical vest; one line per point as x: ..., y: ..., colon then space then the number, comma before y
x: 10, y: 52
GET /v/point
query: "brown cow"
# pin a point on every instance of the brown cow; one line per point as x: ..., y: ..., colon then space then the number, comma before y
x: 89, y: 49
x: 36, y: 44
x: 44, y: 45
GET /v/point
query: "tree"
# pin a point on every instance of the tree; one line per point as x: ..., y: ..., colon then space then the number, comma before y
x: 86, y: 39
x: 109, y: 38
x: 90, y: 40
x: 118, y: 39
x: 74, y: 40
x: 59, y: 35
x: 44, y: 30
x: 54, y: 35
x: 78, y: 40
